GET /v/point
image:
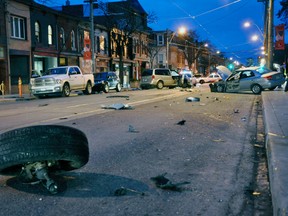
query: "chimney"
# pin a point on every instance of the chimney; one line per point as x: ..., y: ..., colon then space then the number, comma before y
x: 67, y: 3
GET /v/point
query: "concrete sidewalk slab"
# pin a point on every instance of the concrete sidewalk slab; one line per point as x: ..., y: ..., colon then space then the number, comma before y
x: 276, y: 128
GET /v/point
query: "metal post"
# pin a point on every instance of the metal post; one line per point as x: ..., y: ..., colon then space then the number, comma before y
x: 270, y: 34
x: 92, y: 33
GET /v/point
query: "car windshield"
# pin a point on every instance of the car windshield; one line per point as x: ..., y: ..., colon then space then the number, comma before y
x: 56, y: 71
x: 147, y: 73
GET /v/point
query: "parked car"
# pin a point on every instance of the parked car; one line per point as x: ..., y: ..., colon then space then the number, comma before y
x: 105, y: 81
x: 255, y: 79
x: 213, y: 77
x: 159, y: 77
x: 61, y: 81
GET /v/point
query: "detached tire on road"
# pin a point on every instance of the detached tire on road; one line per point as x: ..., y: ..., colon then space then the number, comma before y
x: 66, y: 147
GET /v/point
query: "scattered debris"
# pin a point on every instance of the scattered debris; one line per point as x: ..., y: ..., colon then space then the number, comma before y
x: 258, y: 146
x: 132, y: 129
x: 192, y: 99
x: 243, y: 118
x: 182, y: 122
x: 117, y: 106
x: 118, y: 96
x: 218, y: 140
x: 125, y: 191
x: 236, y: 110
x: 256, y: 193
x: 42, y: 105
x: 162, y: 182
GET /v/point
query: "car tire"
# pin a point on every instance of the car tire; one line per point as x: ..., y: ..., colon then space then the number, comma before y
x: 66, y: 90
x: 256, y: 89
x: 88, y: 89
x: 106, y: 88
x: 201, y: 82
x: 118, y: 87
x: 160, y: 85
x: 66, y: 146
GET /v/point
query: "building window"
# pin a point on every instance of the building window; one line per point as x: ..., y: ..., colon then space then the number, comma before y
x: 62, y: 36
x: 160, y: 58
x: 73, y: 43
x: 37, y: 32
x: 17, y: 27
x: 102, y: 43
x: 160, y: 40
x: 50, y: 35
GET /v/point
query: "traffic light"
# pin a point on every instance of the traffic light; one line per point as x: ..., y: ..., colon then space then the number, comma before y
x: 231, y: 66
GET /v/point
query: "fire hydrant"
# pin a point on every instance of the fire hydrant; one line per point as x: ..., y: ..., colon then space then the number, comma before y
x: 20, y: 86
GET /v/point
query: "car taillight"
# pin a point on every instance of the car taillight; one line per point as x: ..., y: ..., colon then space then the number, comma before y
x: 268, y: 77
x: 153, y: 76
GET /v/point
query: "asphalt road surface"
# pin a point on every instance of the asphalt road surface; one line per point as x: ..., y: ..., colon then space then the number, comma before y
x: 204, y: 149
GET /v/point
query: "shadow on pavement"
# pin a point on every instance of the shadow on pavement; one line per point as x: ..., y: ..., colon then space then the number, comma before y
x: 85, y: 185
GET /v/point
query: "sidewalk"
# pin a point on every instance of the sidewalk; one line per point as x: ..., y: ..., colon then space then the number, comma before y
x: 275, y: 105
x: 15, y: 97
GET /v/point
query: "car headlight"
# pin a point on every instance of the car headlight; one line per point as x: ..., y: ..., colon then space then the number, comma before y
x: 58, y: 81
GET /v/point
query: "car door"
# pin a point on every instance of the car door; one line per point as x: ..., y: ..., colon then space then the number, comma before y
x: 76, y: 79
x: 233, y: 83
x: 112, y: 80
x: 246, y: 80
x: 169, y: 81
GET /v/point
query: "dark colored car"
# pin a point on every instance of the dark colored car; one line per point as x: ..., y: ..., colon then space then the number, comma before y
x: 105, y: 81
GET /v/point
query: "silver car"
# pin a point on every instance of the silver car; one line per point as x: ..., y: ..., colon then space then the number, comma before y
x: 255, y: 79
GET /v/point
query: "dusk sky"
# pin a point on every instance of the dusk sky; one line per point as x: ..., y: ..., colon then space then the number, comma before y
x: 218, y: 21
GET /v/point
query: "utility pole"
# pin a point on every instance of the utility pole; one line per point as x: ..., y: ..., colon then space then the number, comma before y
x: 270, y: 35
x: 92, y: 32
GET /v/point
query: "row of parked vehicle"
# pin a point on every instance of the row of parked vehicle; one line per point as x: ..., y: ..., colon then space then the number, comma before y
x: 62, y: 80
x: 255, y: 79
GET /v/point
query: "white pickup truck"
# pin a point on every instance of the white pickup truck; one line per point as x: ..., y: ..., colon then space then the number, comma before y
x: 61, y: 81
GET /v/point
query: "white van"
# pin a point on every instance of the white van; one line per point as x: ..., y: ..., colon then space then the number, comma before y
x: 159, y: 77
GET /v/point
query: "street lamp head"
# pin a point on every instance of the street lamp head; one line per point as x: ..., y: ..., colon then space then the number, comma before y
x: 254, y: 37
x: 247, y: 24
x: 182, y: 30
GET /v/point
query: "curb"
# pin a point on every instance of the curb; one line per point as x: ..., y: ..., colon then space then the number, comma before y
x: 276, y: 148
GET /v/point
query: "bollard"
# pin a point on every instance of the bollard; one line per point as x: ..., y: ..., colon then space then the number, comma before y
x: 20, y: 86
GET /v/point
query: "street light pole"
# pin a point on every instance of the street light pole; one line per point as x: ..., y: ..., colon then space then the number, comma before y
x: 270, y: 34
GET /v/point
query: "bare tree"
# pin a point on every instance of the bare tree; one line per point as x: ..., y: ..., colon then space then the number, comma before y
x: 283, y: 12
x: 124, y: 22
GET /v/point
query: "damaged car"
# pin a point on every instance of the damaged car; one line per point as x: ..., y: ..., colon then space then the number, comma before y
x: 255, y: 79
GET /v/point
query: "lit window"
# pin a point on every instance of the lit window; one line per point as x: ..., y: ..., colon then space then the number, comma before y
x: 37, y: 32
x: 17, y: 27
x: 50, y: 35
